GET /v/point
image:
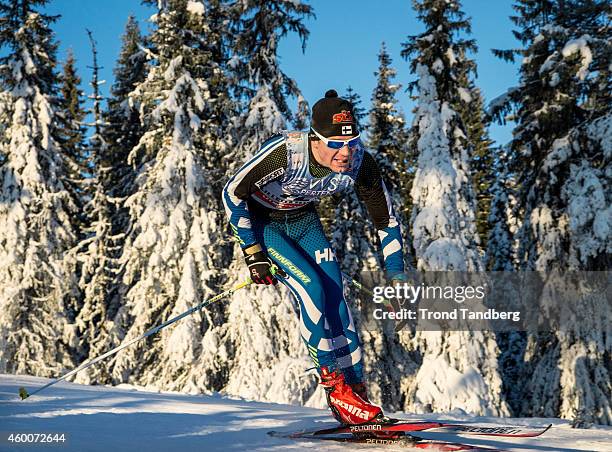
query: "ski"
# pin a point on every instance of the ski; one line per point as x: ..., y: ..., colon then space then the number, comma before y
x: 439, y: 427
x: 405, y: 442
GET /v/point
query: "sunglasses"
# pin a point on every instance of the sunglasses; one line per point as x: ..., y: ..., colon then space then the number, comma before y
x: 338, y: 144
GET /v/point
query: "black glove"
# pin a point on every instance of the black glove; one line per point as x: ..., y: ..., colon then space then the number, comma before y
x: 260, y: 265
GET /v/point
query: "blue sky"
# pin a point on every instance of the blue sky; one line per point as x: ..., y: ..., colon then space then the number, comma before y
x: 342, y: 49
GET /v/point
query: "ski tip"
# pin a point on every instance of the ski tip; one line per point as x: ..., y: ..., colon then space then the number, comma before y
x: 23, y: 393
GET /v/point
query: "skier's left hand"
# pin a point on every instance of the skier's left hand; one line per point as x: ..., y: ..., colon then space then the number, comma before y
x: 261, y: 267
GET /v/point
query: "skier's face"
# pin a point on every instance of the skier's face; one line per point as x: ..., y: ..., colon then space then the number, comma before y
x: 337, y: 160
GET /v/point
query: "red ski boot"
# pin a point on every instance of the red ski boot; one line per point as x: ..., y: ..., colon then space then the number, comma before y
x: 347, y: 407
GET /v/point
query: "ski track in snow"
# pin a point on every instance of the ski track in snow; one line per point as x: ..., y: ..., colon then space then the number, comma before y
x: 102, y: 418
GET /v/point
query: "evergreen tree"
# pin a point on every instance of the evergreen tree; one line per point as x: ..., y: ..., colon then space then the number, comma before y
x: 263, y: 86
x: 36, y: 204
x: 565, y: 42
x: 171, y: 256
x: 501, y: 256
x: 73, y: 115
x: 559, y: 152
x: 471, y: 110
x: 95, y: 323
x: 438, y: 129
x: 71, y: 138
x: 501, y: 243
x: 121, y: 133
x: 96, y: 141
x: 116, y: 131
x: 123, y: 130
x: 388, y: 140
x: 359, y: 113
x: 386, y: 124
x: 5, y: 115
x: 443, y: 217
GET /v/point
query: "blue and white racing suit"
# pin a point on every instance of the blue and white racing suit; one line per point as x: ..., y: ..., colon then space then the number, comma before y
x: 270, y: 201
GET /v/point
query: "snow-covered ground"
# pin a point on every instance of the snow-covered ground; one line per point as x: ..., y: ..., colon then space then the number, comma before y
x: 96, y: 418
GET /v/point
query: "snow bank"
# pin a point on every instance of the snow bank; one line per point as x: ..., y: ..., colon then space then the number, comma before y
x: 96, y: 418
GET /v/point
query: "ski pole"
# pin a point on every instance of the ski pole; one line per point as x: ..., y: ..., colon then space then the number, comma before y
x: 357, y: 284
x: 24, y: 394
x: 363, y: 288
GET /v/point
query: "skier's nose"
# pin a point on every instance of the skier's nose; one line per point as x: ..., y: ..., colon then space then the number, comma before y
x: 344, y: 151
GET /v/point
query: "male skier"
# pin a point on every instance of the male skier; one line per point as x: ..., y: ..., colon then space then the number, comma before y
x: 270, y: 203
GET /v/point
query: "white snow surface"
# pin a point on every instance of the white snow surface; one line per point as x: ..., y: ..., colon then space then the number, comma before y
x: 126, y: 418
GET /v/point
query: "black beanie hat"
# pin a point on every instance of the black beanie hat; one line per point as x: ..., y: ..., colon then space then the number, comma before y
x: 333, y: 116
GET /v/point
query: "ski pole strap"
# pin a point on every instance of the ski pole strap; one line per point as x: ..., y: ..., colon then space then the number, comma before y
x: 24, y: 394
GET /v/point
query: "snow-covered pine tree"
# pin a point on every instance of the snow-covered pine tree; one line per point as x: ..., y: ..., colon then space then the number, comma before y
x: 561, y: 156
x: 96, y: 141
x: 73, y: 115
x: 71, y: 138
x: 98, y: 268
x: 566, y: 52
x: 96, y: 327
x: 5, y: 115
x: 122, y: 128
x: 359, y: 113
x: 121, y: 133
x: 36, y: 205
x: 172, y: 255
x: 500, y: 256
x: 438, y: 129
x: 388, y: 138
x: 503, y: 223
x: 471, y: 110
x: 263, y: 86
x: 118, y: 130
x: 443, y: 217
x: 267, y: 357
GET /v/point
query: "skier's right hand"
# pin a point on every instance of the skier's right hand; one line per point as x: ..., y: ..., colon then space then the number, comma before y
x: 260, y: 265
